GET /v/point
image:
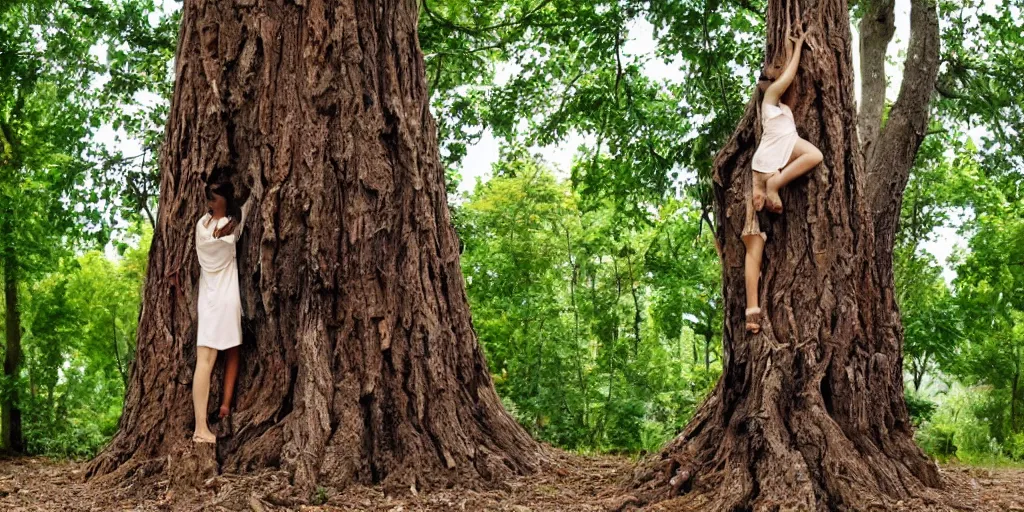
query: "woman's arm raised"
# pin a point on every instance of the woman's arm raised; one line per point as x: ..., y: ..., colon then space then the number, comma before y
x: 778, y: 88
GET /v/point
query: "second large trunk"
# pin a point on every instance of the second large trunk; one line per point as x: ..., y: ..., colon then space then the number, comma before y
x: 809, y: 414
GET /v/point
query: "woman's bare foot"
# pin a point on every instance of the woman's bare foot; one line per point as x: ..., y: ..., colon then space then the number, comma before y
x: 225, y: 410
x: 772, y: 199
x: 760, y: 184
x: 204, y: 437
x: 753, y: 320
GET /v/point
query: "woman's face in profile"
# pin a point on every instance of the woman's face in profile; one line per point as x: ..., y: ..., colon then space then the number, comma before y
x: 215, y: 202
x: 771, y: 73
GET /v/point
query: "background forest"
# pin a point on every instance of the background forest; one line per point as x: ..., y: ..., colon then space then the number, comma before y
x: 578, y: 141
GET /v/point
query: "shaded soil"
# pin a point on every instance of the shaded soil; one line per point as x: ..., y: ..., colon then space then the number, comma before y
x: 575, y: 484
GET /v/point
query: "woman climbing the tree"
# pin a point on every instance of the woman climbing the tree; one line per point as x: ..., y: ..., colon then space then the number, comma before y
x: 220, y: 305
x: 781, y: 157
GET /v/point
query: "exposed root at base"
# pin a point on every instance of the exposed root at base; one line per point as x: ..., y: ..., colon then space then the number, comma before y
x: 668, y: 485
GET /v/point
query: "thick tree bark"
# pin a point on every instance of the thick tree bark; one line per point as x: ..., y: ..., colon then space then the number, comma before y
x: 809, y: 414
x: 359, y: 361
x: 11, y: 439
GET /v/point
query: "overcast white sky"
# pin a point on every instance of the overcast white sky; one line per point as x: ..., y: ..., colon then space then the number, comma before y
x: 484, y: 153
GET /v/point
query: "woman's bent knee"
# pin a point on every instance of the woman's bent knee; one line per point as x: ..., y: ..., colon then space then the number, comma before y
x: 812, y: 152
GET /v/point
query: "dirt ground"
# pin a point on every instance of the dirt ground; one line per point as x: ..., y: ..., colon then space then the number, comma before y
x: 581, y: 484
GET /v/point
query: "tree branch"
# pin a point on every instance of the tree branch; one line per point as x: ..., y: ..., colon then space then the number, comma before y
x: 888, y: 168
x: 944, y: 90
x: 482, y: 30
x: 877, y: 27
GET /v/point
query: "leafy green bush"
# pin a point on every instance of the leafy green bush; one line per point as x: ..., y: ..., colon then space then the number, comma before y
x: 654, y: 435
x: 920, y: 408
x: 937, y: 440
x: 1015, y: 447
x: 962, y: 428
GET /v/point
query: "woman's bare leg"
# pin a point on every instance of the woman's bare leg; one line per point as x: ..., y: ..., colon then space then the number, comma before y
x: 230, y: 373
x: 752, y: 271
x: 804, y: 158
x: 760, y: 188
x: 205, y: 357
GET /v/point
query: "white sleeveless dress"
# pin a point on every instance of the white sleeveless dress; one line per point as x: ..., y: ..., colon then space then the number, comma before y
x: 220, y: 305
x: 777, y: 138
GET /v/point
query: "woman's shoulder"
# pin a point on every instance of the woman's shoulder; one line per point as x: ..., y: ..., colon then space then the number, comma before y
x: 770, y: 110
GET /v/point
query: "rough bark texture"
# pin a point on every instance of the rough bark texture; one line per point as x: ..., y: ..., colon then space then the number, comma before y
x: 809, y: 414
x: 359, y: 362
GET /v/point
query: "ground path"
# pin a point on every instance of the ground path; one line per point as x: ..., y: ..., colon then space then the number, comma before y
x: 580, y: 484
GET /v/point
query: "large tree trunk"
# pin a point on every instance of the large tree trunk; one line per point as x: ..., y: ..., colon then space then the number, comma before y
x: 810, y: 413
x: 11, y: 439
x: 359, y: 362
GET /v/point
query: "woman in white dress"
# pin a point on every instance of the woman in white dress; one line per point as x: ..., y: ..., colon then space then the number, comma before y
x: 781, y: 157
x: 220, y: 305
